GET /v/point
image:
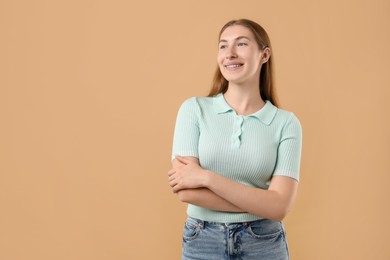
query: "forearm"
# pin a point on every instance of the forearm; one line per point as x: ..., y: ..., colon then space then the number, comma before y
x: 205, y: 198
x: 222, y: 193
x: 269, y: 203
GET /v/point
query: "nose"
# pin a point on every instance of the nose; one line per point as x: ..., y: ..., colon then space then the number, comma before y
x: 231, y: 53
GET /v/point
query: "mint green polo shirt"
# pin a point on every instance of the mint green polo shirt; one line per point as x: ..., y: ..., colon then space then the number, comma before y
x: 248, y: 149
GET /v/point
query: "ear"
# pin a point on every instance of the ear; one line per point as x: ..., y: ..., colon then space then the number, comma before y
x: 266, y: 55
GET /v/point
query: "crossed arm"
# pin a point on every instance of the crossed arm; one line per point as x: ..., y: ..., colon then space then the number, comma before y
x: 205, y: 188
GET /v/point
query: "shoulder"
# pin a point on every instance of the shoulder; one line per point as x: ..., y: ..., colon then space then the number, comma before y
x: 197, y: 103
x: 291, y: 126
x: 286, y: 115
x: 287, y: 119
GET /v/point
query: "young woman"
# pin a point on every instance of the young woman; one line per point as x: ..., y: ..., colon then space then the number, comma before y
x: 236, y: 155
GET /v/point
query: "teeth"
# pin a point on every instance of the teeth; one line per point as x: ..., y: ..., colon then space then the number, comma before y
x: 233, y: 66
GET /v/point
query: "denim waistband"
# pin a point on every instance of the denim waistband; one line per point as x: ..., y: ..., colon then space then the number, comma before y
x: 203, y: 223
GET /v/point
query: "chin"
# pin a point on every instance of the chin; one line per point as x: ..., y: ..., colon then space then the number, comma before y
x: 234, y: 80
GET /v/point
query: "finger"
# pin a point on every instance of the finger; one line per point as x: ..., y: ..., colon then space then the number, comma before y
x: 171, y: 178
x: 172, y: 183
x: 173, y: 190
x: 176, y: 188
x: 171, y: 172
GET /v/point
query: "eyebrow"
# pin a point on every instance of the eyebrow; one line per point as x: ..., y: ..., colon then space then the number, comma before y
x: 237, y: 38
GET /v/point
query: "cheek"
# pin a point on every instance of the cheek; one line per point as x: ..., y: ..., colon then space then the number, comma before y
x: 256, y: 62
x: 219, y: 59
x: 220, y: 62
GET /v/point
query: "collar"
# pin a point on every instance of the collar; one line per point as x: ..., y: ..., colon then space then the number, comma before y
x: 266, y: 114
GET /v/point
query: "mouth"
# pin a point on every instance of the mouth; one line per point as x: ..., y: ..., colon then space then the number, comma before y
x: 234, y: 66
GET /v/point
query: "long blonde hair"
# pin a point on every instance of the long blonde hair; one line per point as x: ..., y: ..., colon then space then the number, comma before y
x: 266, y: 86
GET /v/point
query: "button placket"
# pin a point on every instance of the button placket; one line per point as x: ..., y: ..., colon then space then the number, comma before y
x: 237, y: 131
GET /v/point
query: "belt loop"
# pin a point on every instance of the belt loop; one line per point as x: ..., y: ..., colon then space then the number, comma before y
x: 202, y: 223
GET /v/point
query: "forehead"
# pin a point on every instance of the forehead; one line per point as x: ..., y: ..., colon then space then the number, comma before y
x: 235, y: 31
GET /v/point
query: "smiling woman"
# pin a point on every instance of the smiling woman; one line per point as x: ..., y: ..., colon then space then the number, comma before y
x: 260, y: 38
x: 236, y: 155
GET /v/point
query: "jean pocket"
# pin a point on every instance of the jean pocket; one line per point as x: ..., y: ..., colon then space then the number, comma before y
x: 265, y: 229
x: 191, y: 230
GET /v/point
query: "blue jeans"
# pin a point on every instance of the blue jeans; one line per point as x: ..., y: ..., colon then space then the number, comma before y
x: 258, y: 240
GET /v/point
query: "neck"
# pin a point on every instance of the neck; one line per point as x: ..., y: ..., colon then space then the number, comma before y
x: 244, y: 99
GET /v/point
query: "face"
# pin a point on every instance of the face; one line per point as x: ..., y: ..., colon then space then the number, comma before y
x: 239, y: 57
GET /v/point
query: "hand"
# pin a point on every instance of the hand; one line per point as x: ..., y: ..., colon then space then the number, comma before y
x: 186, y: 174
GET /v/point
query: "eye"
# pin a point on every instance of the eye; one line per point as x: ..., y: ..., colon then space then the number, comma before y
x: 240, y: 44
x: 223, y: 46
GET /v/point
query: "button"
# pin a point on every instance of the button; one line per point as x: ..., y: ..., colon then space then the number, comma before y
x: 237, y: 131
x: 236, y: 143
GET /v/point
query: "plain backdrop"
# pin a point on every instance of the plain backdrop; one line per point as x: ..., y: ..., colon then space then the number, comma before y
x: 89, y: 92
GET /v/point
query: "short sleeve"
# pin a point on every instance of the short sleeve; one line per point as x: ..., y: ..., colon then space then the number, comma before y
x: 186, y: 135
x: 289, y: 150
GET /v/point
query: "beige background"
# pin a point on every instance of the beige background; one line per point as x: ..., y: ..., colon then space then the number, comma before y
x: 89, y: 92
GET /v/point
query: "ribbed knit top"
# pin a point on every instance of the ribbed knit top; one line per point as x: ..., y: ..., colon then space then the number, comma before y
x: 247, y: 149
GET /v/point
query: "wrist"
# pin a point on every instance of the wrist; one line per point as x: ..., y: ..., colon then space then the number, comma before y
x: 207, y: 178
